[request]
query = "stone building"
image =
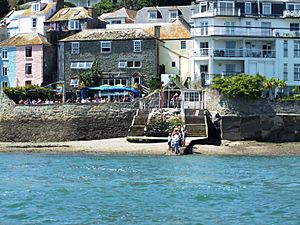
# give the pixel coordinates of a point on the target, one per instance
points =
(126, 56)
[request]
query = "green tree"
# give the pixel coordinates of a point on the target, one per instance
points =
(242, 85)
(69, 5)
(91, 77)
(4, 9)
(104, 6)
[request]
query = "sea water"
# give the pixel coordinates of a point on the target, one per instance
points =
(94, 189)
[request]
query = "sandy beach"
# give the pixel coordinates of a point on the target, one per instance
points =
(121, 146)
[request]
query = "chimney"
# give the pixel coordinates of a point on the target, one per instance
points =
(91, 12)
(59, 4)
(157, 31)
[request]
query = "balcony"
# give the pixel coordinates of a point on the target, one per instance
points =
(235, 53)
(233, 31)
(291, 13)
(219, 11)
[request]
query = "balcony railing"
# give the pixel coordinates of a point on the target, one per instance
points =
(227, 52)
(244, 31)
(218, 11)
(291, 13)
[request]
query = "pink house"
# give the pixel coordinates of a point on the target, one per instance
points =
(30, 58)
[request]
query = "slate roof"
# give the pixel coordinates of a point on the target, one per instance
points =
(75, 13)
(25, 39)
(120, 13)
(164, 12)
(104, 34)
(45, 10)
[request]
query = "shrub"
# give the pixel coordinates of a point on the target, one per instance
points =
(28, 92)
(242, 85)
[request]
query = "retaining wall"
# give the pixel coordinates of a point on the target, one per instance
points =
(64, 122)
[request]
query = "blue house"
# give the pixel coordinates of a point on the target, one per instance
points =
(8, 67)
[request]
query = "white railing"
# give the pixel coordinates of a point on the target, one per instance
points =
(291, 13)
(228, 52)
(218, 11)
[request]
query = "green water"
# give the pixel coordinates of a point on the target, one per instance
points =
(85, 189)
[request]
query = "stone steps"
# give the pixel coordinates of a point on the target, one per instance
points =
(137, 130)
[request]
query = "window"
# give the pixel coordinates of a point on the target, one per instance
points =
(248, 27)
(285, 48)
(28, 52)
(230, 69)
(116, 22)
(202, 7)
(191, 96)
(134, 64)
(137, 46)
(229, 27)
(4, 84)
(74, 82)
(173, 14)
(122, 64)
(294, 26)
(173, 64)
(75, 48)
(266, 8)
(4, 53)
(34, 20)
(105, 46)
(296, 72)
(266, 29)
(4, 70)
(74, 25)
(28, 82)
(204, 28)
(81, 65)
(248, 9)
(35, 7)
(28, 68)
(296, 48)
(293, 6)
(182, 44)
(226, 8)
(152, 15)
(285, 71)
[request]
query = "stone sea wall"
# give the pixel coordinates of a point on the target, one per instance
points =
(64, 122)
(262, 120)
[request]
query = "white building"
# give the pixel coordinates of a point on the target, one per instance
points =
(246, 36)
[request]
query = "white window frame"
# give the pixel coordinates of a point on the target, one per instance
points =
(204, 28)
(266, 8)
(295, 6)
(122, 64)
(74, 25)
(137, 46)
(285, 72)
(27, 65)
(34, 22)
(296, 72)
(295, 27)
(75, 47)
(134, 62)
(296, 49)
(105, 45)
(266, 28)
(172, 13)
(84, 65)
(152, 15)
(248, 8)
(36, 7)
(226, 11)
(4, 53)
(4, 70)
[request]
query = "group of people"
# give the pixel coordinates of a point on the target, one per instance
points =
(177, 139)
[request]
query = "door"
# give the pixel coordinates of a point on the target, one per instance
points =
(230, 48)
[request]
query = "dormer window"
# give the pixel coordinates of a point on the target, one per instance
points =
(173, 14)
(36, 7)
(266, 8)
(34, 22)
(202, 7)
(293, 6)
(152, 15)
(74, 25)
